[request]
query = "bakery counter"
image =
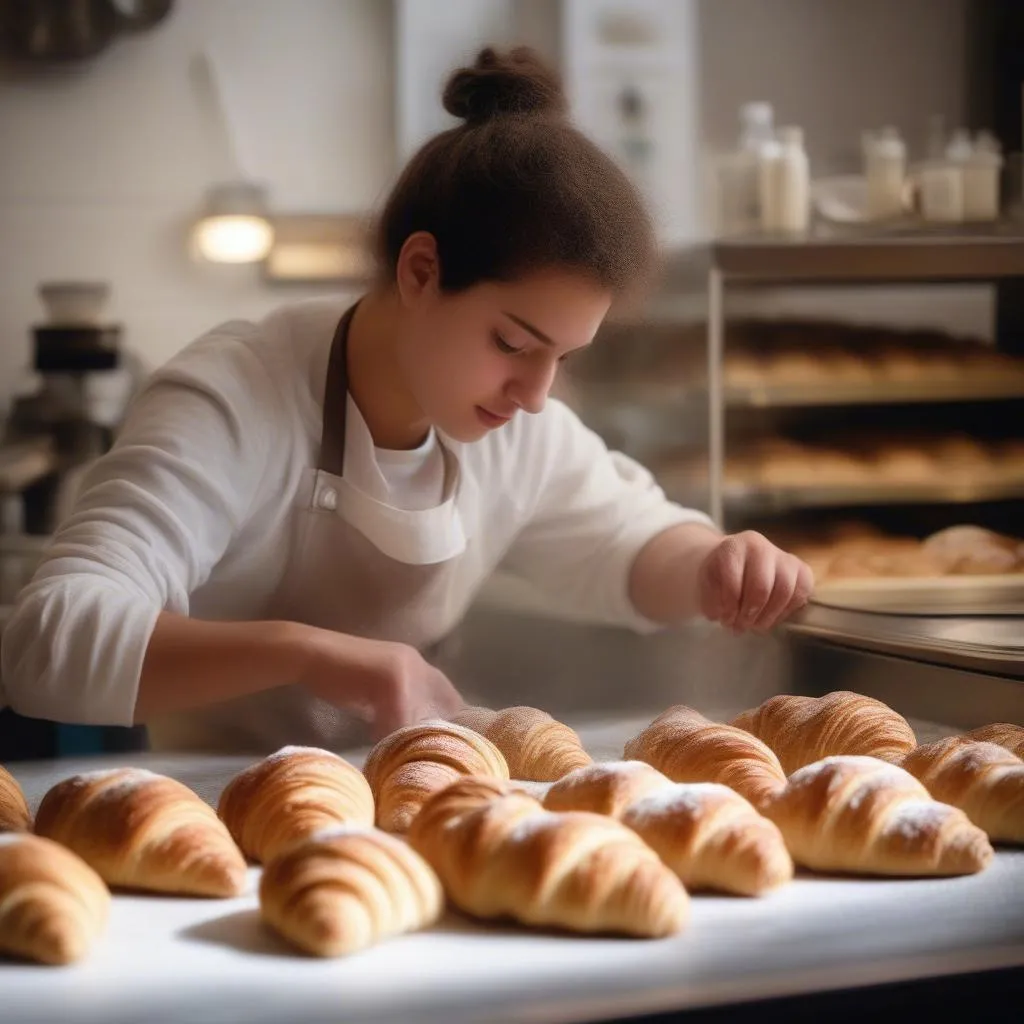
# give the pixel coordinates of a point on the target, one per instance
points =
(819, 938)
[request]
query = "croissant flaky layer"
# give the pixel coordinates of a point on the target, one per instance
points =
(14, 812)
(1006, 735)
(866, 816)
(500, 854)
(683, 745)
(290, 795)
(410, 764)
(709, 835)
(140, 830)
(53, 906)
(984, 780)
(536, 747)
(802, 730)
(346, 888)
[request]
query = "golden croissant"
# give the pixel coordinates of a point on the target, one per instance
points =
(346, 888)
(984, 780)
(1009, 736)
(802, 730)
(14, 813)
(53, 906)
(709, 835)
(140, 830)
(862, 815)
(404, 768)
(682, 744)
(290, 795)
(500, 854)
(536, 747)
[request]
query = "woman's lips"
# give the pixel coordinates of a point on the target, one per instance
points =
(490, 419)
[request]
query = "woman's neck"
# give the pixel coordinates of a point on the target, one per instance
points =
(375, 378)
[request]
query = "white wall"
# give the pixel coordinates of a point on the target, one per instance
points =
(102, 168)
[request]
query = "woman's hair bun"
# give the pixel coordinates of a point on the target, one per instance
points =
(517, 82)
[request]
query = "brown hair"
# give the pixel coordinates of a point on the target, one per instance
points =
(516, 188)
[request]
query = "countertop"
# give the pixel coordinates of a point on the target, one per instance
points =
(198, 960)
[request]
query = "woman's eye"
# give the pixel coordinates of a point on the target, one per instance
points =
(503, 345)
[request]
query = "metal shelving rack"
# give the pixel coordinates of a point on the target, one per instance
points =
(949, 256)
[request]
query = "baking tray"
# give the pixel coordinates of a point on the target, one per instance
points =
(926, 595)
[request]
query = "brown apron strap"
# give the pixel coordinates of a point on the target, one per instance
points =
(332, 440)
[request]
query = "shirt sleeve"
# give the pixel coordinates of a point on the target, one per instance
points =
(152, 518)
(592, 511)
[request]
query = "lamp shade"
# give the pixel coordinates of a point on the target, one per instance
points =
(234, 227)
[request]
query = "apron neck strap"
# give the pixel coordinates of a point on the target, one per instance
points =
(332, 440)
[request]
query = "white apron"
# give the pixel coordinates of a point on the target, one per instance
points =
(356, 566)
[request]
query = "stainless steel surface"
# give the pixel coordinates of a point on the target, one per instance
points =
(948, 254)
(943, 595)
(210, 960)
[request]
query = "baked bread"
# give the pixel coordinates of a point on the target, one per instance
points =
(705, 832)
(1006, 735)
(404, 768)
(683, 745)
(802, 730)
(345, 888)
(140, 830)
(861, 815)
(14, 813)
(535, 746)
(290, 795)
(500, 854)
(53, 906)
(984, 780)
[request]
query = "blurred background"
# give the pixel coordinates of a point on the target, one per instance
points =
(833, 353)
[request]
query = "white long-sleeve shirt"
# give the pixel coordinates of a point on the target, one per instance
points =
(190, 512)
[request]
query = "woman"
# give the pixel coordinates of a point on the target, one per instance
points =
(295, 508)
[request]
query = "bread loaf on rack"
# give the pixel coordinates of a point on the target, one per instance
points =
(984, 780)
(53, 906)
(683, 745)
(861, 815)
(535, 746)
(140, 830)
(345, 888)
(802, 730)
(404, 768)
(500, 854)
(1006, 735)
(290, 795)
(14, 812)
(710, 836)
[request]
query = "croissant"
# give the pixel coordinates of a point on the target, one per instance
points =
(404, 768)
(802, 730)
(53, 906)
(500, 854)
(346, 888)
(140, 830)
(984, 780)
(865, 816)
(14, 813)
(289, 796)
(709, 835)
(535, 746)
(682, 744)
(1006, 735)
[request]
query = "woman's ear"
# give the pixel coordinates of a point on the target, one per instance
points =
(418, 271)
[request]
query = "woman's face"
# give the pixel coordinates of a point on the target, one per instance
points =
(474, 360)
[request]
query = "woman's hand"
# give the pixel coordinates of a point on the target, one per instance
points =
(746, 582)
(391, 684)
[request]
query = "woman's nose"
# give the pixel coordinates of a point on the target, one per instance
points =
(529, 388)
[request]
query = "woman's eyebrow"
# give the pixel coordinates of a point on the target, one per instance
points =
(537, 333)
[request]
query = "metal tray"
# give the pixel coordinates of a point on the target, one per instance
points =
(927, 595)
